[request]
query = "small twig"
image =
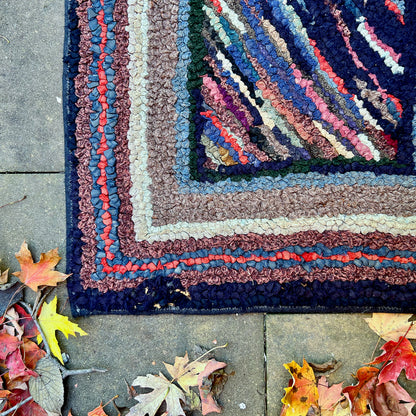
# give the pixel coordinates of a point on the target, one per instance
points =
(66, 372)
(375, 348)
(22, 199)
(45, 342)
(15, 407)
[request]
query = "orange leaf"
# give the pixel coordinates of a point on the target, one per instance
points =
(361, 395)
(98, 411)
(38, 274)
(303, 393)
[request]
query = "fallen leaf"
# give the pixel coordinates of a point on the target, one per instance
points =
(162, 390)
(184, 372)
(38, 274)
(31, 353)
(303, 393)
(4, 277)
(14, 319)
(342, 408)
(326, 368)
(361, 395)
(48, 389)
(17, 368)
(98, 411)
(50, 321)
(9, 297)
(27, 322)
(328, 397)
(208, 401)
(400, 356)
(390, 399)
(8, 344)
(30, 408)
(391, 326)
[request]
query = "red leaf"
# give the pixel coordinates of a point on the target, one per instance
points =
(361, 395)
(8, 344)
(400, 356)
(30, 408)
(31, 353)
(27, 322)
(390, 399)
(17, 368)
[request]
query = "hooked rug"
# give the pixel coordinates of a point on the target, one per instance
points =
(240, 155)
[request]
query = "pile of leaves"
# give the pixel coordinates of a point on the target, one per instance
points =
(33, 368)
(377, 391)
(176, 396)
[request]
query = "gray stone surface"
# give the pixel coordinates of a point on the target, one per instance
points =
(317, 338)
(129, 346)
(31, 130)
(39, 219)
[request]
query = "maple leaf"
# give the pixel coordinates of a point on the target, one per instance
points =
(328, 397)
(400, 356)
(38, 274)
(303, 393)
(391, 326)
(17, 367)
(205, 385)
(361, 395)
(8, 344)
(162, 390)
(50, 321)
(184, 372)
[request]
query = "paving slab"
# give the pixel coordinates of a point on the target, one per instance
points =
(39, 218)
(317, 338)
(31, 48)
(129, 346)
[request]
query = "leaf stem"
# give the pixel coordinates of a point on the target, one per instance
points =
(15, 407)
(66, 373)
(21, 199)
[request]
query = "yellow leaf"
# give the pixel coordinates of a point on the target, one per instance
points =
(38, 274)
(303, 393)
(391, 326)
(51, 321)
